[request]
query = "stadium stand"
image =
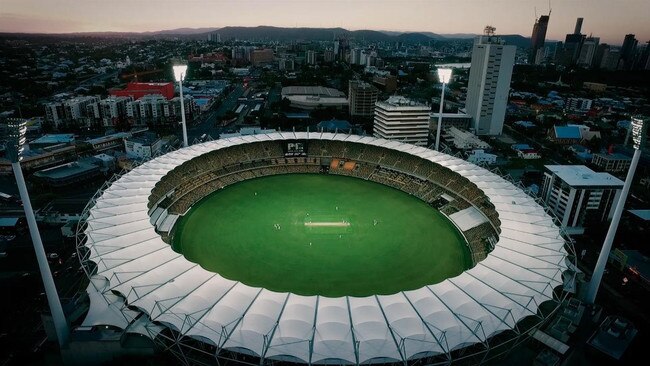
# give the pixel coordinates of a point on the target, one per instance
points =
(195, 179)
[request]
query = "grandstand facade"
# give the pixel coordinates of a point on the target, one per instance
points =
(139, 284)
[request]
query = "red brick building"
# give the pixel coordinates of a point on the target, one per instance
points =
(139, 90)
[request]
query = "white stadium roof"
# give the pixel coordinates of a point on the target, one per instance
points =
(133, 260)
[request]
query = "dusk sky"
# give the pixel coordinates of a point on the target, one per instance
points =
(608, 19)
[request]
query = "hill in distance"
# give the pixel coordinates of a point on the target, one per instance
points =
(262, 33)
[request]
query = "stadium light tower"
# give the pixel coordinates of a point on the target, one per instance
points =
(638, 136)
(15, 146)
(179, 75)
(444, 75)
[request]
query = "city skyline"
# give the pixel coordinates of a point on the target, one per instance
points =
(610, 21)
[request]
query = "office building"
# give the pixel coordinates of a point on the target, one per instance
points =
(588, 52)
(362, 97)
(399, 118)
(489, 83)
(628, 52)
(538, 38)
(610, 60)
(572, 45)
(574, 192)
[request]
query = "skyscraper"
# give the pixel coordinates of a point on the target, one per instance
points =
(578, 28)
(628, 51)
(539, 37)
(489, 83)
(588, 52)
(572, 45)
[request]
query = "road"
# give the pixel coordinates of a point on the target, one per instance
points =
(206, 124)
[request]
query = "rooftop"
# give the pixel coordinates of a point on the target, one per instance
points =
(60, 138)
(320, 91)
(580, 175)
(399, 101)
(65, 170)
(642, 214)
(567, 132)
(614, 156)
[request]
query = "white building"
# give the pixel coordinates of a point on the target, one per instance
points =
(157, 109)
(399, 118)
(489, 84)
(614, 163)
(143, 147)
(362, 97)
(578, 104)
(459, 120)
(112, 108)
(74, 110)
(481, 157)
(573, 191)
(310, 57)
(464, 140)
(312, 97)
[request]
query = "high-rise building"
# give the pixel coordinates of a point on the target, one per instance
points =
(600, 53)
(538, 38)
(578, 28)
(573, 191)
(610, 59)
(628, 51)
(489, 83)
(644, 61)
(328, 56)
(112, 109)
(401, 119)
(362, 97)
(310, 57)
(355, 56)
(588, 52)
(286, 64)
(74, 110)
(572, 45)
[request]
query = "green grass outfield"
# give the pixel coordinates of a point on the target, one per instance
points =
(314, 234)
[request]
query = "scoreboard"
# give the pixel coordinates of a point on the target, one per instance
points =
(295, 148)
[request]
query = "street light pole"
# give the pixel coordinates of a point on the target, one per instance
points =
(179, 75)
(444, 75)
(638, 135)
(14, 149)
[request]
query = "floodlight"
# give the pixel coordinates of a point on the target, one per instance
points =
(444, 75)
(638, 132)
(179, 72)
(16, 143)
